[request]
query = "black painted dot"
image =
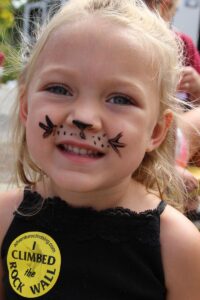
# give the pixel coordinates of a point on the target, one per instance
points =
(99, 138)
(102, 146)
(61, 126)
(95, 143)
(71, 134)
(58, 132)
(64, 132)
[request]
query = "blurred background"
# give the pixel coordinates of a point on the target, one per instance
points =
(187, 19)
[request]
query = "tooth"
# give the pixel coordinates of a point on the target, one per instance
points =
(83, 151)
(80, 151)
(76, 150)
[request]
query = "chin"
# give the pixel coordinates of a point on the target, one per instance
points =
(84, 184)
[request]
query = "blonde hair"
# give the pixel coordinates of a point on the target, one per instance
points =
(157, 170)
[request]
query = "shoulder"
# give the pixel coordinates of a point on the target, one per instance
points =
(9, 202)
(180, 247)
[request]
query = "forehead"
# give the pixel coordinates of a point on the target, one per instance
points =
(99, 49)
(94, 37)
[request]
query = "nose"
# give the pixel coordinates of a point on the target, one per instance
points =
(86, 114)
(81, 125)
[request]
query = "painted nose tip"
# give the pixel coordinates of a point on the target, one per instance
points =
(81, 125)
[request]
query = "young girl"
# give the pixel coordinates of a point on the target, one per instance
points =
(96, 147)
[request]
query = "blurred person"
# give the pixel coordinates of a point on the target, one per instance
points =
(189, 127)
(189, 86)
(188, 165)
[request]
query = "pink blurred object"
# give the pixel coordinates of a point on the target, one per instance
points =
(181, 149)
(2, 58)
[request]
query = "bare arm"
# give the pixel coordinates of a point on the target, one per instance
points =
(180, 245)
(9, 201)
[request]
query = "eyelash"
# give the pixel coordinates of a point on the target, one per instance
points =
(65, 91)
(59, 90)
(125, 100)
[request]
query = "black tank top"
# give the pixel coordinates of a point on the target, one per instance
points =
(62, 252)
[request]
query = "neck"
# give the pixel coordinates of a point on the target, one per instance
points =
(118, 195)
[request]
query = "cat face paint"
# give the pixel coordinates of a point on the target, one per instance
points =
(82, 126)
(49, 128)
(115, 144)
(98, 140)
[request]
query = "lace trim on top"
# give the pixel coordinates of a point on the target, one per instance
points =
(82, 223)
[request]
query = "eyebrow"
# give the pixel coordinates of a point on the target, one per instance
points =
(112, 81)
(127, 83)
(58, 70)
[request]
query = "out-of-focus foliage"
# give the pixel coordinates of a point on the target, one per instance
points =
(11, 23)
(6, 15)
(8, 37)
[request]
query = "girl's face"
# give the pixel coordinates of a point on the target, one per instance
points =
(95, 73)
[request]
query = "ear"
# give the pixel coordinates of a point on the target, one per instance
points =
(23, 109)
(160, 131)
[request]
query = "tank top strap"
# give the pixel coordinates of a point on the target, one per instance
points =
(27, 195)
(31, 203)
(161, 207)
(27, 189)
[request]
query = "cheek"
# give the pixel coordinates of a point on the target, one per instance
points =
(37, 145)
(33, 132)
(137, 140)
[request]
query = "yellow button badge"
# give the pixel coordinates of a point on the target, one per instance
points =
(34, 263)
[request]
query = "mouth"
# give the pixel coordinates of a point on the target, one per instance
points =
(80, 151)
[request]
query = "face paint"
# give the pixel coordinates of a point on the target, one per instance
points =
(98, 140)
(48, 128)
(115, 144)
(82, 126)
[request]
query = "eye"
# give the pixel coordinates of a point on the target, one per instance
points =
(59, 90)
(120, 100)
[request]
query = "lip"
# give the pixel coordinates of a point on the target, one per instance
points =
(77, 158)
(80, 145)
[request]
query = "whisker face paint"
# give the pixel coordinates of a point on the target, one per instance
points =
(99, 140)
(115, 144)
(82, 126)
(49, 128)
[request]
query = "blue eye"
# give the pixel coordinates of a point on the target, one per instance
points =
(120, 100)
(59, 90)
